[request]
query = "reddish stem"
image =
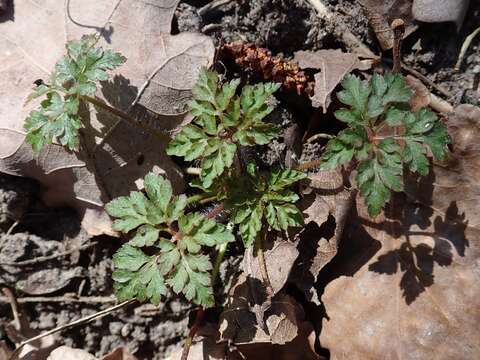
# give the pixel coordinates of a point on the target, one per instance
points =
(193, 330)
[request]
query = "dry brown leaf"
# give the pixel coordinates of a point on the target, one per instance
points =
(421, 94)
(440, 10)
(333, 66)
(246, 321)
(301, 348)
(120, 353)
(278, 271)
(326, 205)
(68, 353)
(407, 285)
(381, 13)
(154, 85)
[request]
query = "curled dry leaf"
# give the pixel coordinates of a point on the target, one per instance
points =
(381, 13)
(153, 85)
(326, 205)
(407, 284)
(245, 321)
(333, 66)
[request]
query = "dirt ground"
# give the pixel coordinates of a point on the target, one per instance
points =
(32, 231)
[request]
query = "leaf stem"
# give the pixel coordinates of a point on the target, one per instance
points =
(262, 264)
(218, 261)
(201, 198)
(124, 116)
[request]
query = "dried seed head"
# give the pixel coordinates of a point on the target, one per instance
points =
(271, 68)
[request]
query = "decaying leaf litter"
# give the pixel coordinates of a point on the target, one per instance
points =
(430, 244)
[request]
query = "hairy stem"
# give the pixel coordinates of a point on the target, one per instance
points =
(124, 116)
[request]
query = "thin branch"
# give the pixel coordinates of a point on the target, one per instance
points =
(72, 324)
(10, 298)
(211, 6)
(465, 46)
(63, 299)
(47, 258)
(124, 116)
(192, 332)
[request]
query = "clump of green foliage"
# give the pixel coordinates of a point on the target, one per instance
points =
(223, 121)
(170, 245)
(159, 221)
(75, 76)
(384, 136)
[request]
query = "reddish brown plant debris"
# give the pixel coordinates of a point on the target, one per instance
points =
(272, 68)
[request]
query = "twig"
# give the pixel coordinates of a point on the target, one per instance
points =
(192, 332)
(440, 105)
(213, 5)
(11, 228)
(47, 258)
(75, 323)
(398, 27)
(465, 45)
(10, 298)
(63, 299)
(347, 36)
(426, 80)
(127, 118)
(319, 136)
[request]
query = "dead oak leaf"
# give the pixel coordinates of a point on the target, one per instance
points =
(326, 205)
(333, 66)
(154, 86)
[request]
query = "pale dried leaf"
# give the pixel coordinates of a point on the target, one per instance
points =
(120, 353)
(435, 11)
(48, 280)
(333, 66)
(154, 86)
(408, 285)
(68, 353)
(278, 271)
(381, 13)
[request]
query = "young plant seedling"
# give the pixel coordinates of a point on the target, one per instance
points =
(73, 80)
(384, 136)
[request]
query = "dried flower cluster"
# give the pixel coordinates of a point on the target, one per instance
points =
(272, 68)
